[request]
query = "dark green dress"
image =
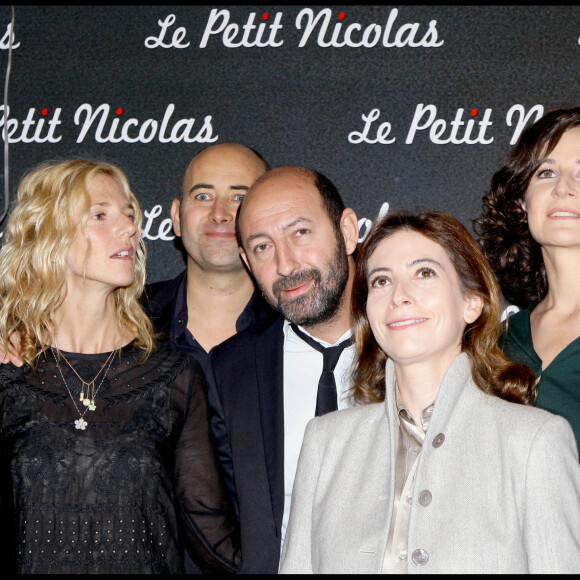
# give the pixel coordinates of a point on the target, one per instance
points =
(559, 386)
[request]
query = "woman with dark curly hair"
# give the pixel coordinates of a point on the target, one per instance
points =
(530, 232)
(443, 468)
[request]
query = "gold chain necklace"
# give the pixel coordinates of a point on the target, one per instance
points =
(89, 403)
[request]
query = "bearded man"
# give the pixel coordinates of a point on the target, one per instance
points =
(265, 383)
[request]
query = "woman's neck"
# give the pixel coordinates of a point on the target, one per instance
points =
(89, 326)
(419, 383)
(563, 274)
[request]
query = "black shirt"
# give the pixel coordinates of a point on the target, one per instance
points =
(126, 493)
(166, 304)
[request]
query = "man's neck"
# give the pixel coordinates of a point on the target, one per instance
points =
(214, 303)
(206, 290)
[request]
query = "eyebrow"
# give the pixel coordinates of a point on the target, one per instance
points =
(550, 160)
(285, 227)
(108, 204)
(407, 265)
(210, 186)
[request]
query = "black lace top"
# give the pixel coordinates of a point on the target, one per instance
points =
(128, 492)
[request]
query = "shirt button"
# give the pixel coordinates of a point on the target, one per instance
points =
(425, 497)
(409, 500)
(416, 449)
(402, 556)
(420, 557)
(438, 441)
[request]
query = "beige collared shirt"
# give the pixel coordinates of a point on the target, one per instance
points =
(411, 437)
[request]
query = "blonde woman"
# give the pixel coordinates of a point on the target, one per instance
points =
(106, 461)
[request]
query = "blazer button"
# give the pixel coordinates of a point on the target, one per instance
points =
(420, 557)
(438, 440)
(425, 497)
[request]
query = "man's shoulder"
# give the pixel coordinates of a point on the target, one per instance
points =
(268, 331)
(271, 326)
(157, 291)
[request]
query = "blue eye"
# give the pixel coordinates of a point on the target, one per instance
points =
(203, 197)
(240, 197)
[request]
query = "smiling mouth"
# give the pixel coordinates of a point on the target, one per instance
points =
(564, 214)
(298, 289)
(408, 322)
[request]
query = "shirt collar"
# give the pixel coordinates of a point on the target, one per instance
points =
(406, 419)
(256, 309)
(299, 345)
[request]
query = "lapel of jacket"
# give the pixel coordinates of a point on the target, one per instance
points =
(453, 392)
(270, 373)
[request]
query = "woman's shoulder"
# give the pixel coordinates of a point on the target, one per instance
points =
(516, 338)
(518, 321)
(11, 376)
(527, 421)
(356, 417)
(166, 363)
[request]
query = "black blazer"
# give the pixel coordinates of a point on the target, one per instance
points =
(245, 381)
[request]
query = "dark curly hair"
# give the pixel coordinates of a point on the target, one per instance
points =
(514, 255)
(492, 372)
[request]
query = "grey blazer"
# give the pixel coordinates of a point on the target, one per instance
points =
(503, 482)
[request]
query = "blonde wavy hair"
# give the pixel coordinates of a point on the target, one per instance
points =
(33, 259)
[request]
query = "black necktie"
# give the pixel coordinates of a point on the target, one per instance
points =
(326, 398)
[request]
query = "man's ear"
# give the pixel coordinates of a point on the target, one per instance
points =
(175, 207)
(349, 229)
(245, 258)
(473, 308)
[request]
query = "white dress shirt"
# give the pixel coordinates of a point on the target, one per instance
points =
(302, 370)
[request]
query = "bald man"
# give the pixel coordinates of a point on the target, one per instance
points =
(214, 297)
(297, 238)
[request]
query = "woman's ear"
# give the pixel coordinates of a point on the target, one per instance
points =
(473, 308)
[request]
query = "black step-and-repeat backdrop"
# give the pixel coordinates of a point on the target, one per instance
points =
(401, 106)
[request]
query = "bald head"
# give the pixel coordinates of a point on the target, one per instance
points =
(297, 239)
(225, 158)
(299, 179)
(215, 182)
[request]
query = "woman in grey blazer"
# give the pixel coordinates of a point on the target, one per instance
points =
(444, 467)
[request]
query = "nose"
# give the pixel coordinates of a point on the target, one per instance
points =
(127, 227)
(220, 212)
(566, 186)
(402, 296)
(286, 261)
